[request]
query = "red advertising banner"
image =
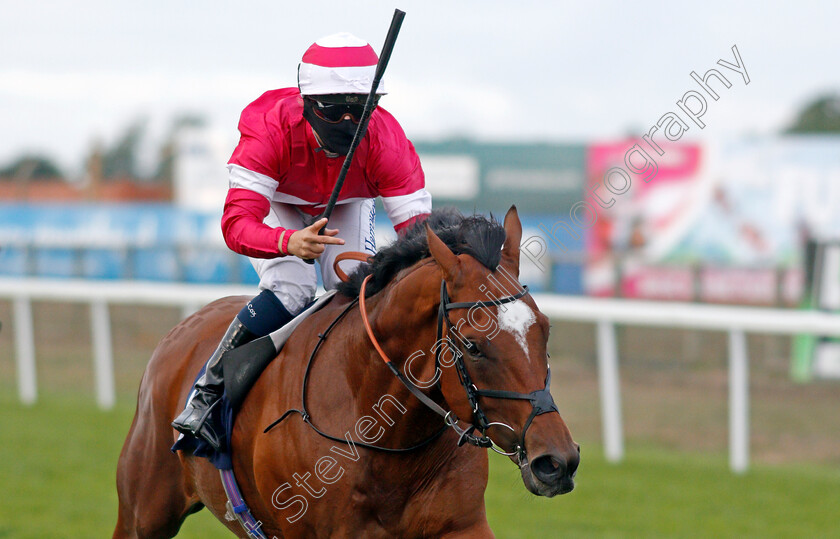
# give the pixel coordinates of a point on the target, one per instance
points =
(724, 223)
(638, 228)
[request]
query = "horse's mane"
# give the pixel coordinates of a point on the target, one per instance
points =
(474, 235)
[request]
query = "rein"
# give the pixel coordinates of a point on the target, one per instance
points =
(464, 435)
(304, 414)
(541, 400)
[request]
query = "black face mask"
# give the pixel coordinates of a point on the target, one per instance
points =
(334, 136)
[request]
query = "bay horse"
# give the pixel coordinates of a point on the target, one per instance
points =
(437, 310)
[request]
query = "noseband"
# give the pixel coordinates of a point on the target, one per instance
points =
(541, 399)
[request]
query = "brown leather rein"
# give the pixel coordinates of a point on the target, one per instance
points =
(541, 400)
(348, 255)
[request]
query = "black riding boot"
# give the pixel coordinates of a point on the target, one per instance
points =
(209, 387)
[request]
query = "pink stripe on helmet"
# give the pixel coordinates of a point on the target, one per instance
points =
(340, 56)
(338, 64)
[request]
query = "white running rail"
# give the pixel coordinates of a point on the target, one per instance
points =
(98, 295)
(604, 313)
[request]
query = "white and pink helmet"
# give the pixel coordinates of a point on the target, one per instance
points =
(338, 64)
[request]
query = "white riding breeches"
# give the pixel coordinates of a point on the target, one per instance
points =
(293, 280)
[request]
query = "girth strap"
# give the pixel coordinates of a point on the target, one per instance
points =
(237, 509)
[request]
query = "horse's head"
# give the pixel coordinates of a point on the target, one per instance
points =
(497, 369)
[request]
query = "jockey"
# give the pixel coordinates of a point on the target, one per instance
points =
(281, 175)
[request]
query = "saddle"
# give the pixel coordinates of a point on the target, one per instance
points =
(243, 365)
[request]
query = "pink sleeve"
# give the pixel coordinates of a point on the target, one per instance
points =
(258, 150)
(243, 229)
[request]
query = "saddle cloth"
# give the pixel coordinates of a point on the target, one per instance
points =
(242, 367)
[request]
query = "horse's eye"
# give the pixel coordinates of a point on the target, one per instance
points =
(473, 350)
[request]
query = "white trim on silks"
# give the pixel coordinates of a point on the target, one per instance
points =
(283, 198)
(319, 80)
(242, 178)
(403, 207)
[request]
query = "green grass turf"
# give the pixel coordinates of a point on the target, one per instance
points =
(57, 462)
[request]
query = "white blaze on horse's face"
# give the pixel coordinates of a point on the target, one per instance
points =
(516, 318)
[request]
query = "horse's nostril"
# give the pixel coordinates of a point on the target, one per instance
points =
(573, 464)
(547, 469)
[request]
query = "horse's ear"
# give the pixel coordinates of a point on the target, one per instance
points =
(444, 257)
(513, 236)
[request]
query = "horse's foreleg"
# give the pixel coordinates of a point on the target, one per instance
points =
(154, 523)
(479, 531)
(150, 488)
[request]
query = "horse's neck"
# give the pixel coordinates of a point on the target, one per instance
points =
(404, 331)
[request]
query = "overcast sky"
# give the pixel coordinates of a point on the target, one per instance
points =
(72, 72)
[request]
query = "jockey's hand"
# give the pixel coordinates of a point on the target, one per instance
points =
(307, 244)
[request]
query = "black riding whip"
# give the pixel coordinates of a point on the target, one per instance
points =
(361, 129)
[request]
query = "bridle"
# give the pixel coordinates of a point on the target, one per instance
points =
(541, 399)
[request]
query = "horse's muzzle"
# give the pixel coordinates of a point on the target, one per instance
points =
(551, 474)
